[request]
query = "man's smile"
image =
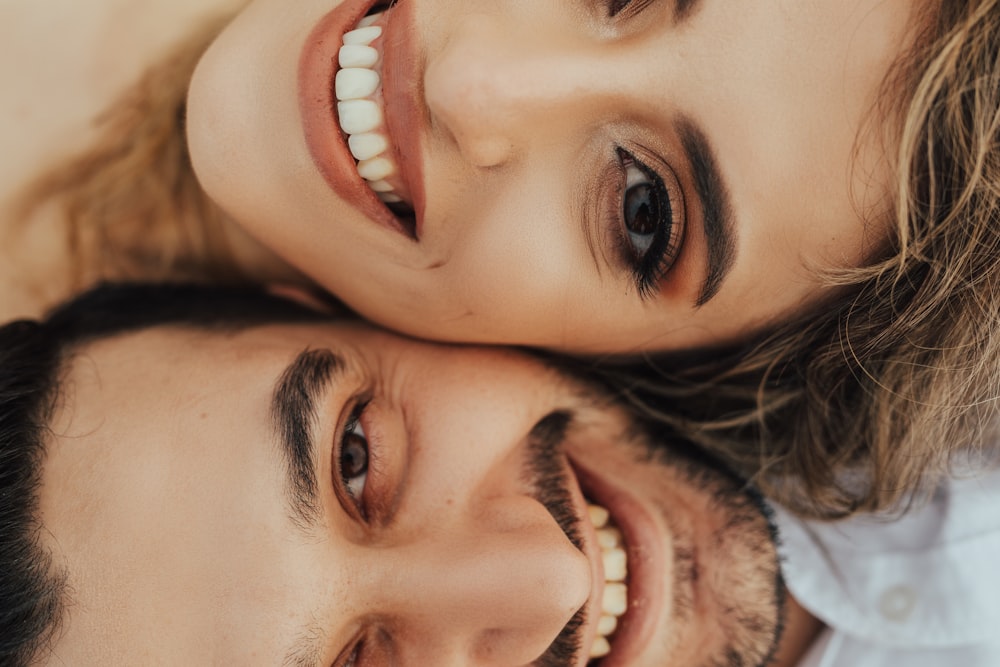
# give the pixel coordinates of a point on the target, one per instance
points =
(628, 554)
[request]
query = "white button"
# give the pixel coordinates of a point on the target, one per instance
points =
(897, 603)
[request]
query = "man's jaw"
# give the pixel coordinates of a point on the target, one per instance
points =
(676, 511)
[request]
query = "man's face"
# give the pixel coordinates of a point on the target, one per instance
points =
(335, 495)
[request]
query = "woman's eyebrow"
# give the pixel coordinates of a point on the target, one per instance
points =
(720, 226)
(293, 415)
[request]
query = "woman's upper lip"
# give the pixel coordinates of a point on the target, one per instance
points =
(318, 66)
(402, 91)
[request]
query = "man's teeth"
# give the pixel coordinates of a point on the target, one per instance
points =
(615, 601)
(359, 112)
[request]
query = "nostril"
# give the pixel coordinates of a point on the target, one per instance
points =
(470, 115)
(509, 646)
(488, 152)
(470, 118)
(470, 89)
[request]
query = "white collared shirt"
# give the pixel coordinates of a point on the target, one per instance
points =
(920, 590)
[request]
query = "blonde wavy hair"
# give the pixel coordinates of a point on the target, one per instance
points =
(852, 407)
(130, 203)
(866, 402)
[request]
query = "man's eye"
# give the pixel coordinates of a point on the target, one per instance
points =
(616, 7)
(352, 660)
(352, 458)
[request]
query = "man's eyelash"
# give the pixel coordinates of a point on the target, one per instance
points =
(630, 7)
(363, 503)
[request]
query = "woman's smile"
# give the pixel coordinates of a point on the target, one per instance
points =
(587, 176)
(357, 89)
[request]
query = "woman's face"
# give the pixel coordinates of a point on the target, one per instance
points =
(592, 175)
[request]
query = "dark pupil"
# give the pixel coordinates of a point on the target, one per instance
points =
(353, 456)
(641, 210)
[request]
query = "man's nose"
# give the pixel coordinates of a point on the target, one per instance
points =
(494, 588)
(497, 88)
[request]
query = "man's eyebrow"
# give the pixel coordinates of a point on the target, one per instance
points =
(720, 228)
(293, 414)
(308, 648)
(685, 9)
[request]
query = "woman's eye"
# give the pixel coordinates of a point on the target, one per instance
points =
(352, 459)
(641, 205)
(648, 229)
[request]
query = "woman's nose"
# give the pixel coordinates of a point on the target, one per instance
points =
(497, 88)
(496, 588)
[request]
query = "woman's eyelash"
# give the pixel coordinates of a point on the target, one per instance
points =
(650, 223)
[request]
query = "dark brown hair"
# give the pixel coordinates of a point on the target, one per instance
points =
(35, 594)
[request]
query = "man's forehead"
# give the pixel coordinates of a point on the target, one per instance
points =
(173, 343)
(146, 458)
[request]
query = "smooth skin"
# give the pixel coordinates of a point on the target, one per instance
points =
(519, 111)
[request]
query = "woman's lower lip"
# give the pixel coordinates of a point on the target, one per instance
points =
(647, 562)
(317, 104)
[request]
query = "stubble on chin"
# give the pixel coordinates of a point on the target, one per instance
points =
(743, 575)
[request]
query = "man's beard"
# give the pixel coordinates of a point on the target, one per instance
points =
(754, 596)
(753, 593)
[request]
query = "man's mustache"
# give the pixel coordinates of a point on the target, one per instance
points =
(545, 470)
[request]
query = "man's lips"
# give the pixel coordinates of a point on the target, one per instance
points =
(646, 565)
(318, 67)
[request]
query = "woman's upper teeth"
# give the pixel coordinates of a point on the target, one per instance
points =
(356, 83)
(615, 598)
(360, 113)
(367, 145)
(359, 116)
(364, 35)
